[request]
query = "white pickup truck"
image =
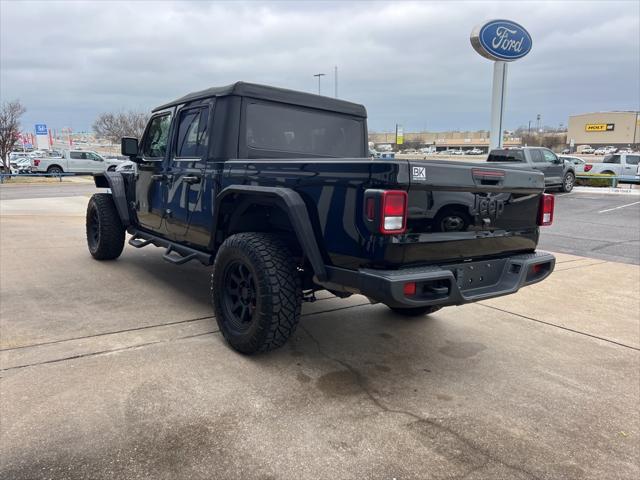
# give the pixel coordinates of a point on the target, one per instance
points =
(622, 165)
(75, 161)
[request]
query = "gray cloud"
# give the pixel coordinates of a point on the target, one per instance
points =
(407, 62)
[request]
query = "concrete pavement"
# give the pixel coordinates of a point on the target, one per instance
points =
(116, 370)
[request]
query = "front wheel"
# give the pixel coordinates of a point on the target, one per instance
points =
(415, 311)
(105, 232)
(568, 182)
(256, 292)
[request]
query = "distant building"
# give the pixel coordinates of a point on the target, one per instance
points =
(454, 140)
(599, 129)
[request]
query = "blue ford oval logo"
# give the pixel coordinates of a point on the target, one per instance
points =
(501, 40)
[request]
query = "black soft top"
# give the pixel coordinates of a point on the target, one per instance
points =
(275, 94)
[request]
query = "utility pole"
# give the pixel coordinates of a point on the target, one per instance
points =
(319, 75)
(335, 78)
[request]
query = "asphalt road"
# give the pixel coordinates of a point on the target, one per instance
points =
(46, 190)
(117, 370)
(595, 225)
(590, 225)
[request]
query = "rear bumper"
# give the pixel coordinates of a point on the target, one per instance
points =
(447, 284)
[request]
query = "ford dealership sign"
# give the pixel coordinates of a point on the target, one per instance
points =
(501, 40)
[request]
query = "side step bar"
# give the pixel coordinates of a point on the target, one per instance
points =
(182, 255)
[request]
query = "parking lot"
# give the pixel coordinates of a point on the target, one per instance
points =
(117, 369)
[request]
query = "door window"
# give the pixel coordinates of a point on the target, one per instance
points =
(612, 159)
(193, 137)
(549, 156)
(633, 159)
(154, 144)
(94, 157)
(77, 155)
(536, 156)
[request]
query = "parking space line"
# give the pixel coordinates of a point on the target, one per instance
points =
(616, 208)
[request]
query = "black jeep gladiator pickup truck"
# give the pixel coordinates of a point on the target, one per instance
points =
(274, 189)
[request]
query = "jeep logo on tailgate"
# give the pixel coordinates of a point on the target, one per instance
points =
(488, 209)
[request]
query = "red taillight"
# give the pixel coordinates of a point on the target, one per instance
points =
(409, 288)
(545, 212)
(537, 268)
(36, 162)
(394, 212)
(588, 167)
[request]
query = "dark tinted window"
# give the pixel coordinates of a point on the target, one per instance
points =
(612, 159)
(506, 156)
(288, 129)
(154, 143)
(633, 159)
(193, 138)
(77, 155)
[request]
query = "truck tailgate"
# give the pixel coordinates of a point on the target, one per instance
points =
(463, 210)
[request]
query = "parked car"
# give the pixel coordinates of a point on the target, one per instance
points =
(285, 203)
(622, 165)
(75, 161)
(474, 151)
(126, 166)
(586, 149)
(557, 173)
(20, 165)
(577, 162)
(565, 151)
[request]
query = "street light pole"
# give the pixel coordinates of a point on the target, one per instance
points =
(319, 75)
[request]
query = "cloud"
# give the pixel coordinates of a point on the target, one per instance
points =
(406, 62)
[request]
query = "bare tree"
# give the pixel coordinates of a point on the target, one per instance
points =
(10, 114)
(114, 126)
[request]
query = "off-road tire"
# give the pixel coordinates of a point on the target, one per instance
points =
(415, 311)
(105, 232)
(273, 312)
(54, 169)
(568, 182)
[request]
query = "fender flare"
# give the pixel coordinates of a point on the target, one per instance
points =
(115, 182)
(291, 202)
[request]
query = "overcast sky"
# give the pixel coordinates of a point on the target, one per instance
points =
(408, 63)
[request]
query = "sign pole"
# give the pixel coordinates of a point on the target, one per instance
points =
(497, 103)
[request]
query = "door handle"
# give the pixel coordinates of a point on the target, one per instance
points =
(190, 179)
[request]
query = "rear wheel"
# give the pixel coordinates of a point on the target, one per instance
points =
(415, 311)
(568, 182)
(55, 170)
(105, 232)
(256, 292)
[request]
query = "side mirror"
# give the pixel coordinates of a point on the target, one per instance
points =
(129, 147)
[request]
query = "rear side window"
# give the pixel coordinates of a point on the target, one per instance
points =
(193, 137)
(506, 156)
(612, 159)
(633, 159)
(280, 128)
(77, 155)
(154, 144)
